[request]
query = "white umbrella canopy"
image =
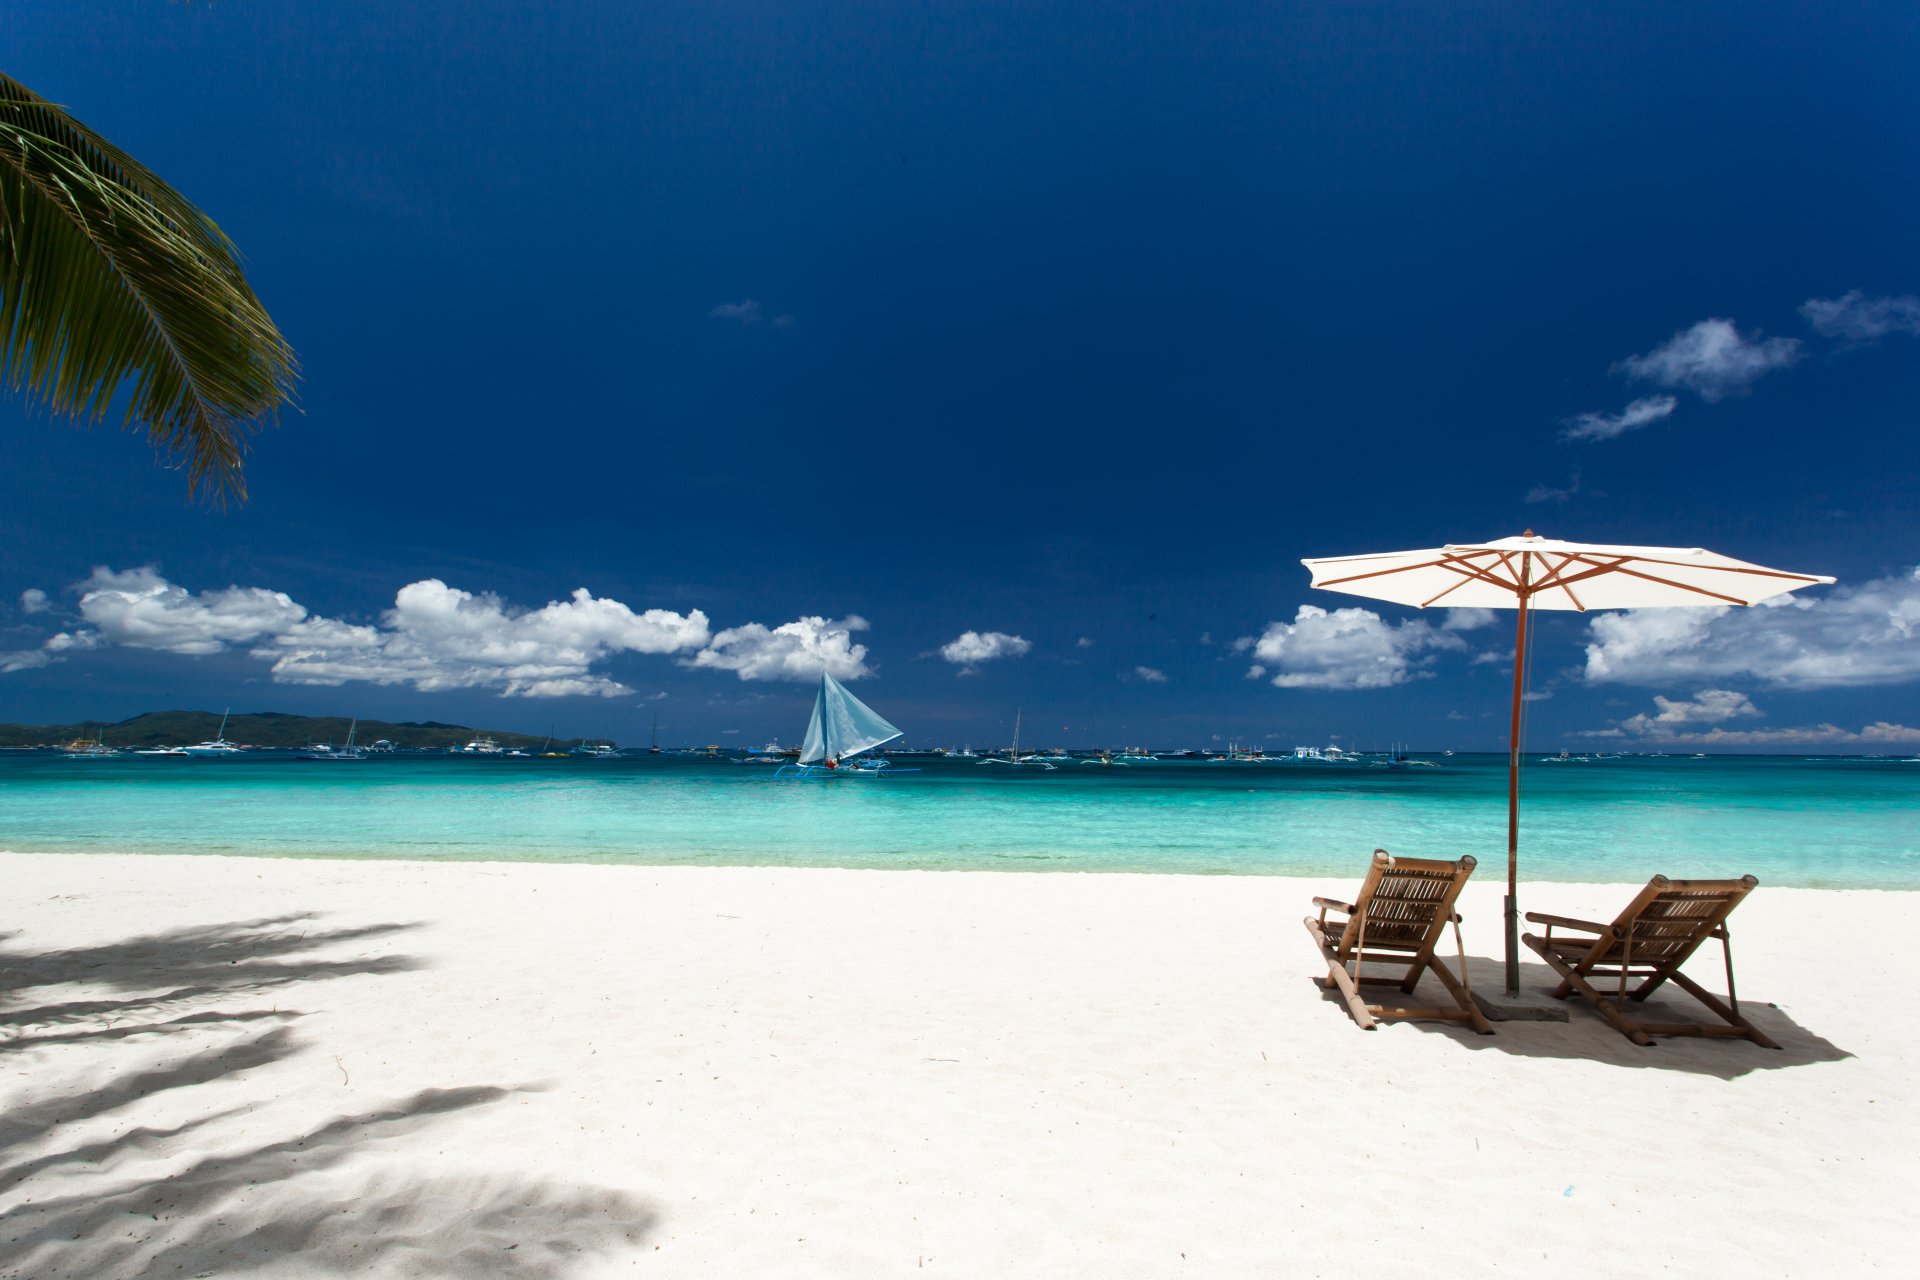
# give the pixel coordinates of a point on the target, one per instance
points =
(1528, 573)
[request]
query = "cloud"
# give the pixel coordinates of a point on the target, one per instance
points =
(1850, 637)
(1083, 643)
(1605, 426)
(748, 312)
(797, 650)
(438, 637)
(1702, 722)
(1152, 675)
(1858, 318)
(435, 637)
(142, 610)
(33, 600)
(1546, 493)
(1468, 619)
(1343, 649)
(23, 660)
(1711, 359)
(971, 648)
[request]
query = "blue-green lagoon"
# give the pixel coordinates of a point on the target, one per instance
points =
(1808, 821)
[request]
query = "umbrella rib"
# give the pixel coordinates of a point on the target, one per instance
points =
(1754, 570)
(1668, 582)
(1381, 573)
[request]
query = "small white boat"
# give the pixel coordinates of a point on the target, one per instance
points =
(216, 745)
(346, 753)
(1013, 758)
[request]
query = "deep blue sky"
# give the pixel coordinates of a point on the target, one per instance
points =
(1097, 318)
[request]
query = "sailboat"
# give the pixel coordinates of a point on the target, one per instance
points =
(1013, 756)
(216, 745)
(653, 743)
(348, 752)
(842, 730)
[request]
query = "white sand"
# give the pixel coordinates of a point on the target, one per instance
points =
(224, 1067)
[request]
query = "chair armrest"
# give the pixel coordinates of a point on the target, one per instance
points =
(1567, 922)
(1334, 904)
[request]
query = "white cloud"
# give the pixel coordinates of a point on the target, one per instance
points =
(1711, 359)
(1853, 636)
(33, 600)
(746, 311)
(1858, 318)
(436, 637)
(1702, 722)
(797, 650)
(1083, 643)
(1547, 493)
(23, 660)
(1343, 649)
(1468, 619)
(1643, 412)
(1152, 675)
(971, 648)
(142, 610)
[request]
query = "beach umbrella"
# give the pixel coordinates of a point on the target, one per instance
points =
(1528, 573)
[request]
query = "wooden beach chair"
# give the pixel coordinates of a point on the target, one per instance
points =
(1646, 945)
(1396, 919)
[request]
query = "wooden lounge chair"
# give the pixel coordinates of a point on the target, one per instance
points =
(1649, 941)
(1396, 919)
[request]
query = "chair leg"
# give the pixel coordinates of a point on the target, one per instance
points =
(1571, 981)
(1461, 996)
(1338, 976)
(1714, 1003)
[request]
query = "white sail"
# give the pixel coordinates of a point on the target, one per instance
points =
(842, 725)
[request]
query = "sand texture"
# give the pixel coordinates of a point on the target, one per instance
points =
(242, 1067)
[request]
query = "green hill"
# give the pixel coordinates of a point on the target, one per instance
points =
(259, 729)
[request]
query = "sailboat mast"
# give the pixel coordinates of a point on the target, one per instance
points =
(1015, 753)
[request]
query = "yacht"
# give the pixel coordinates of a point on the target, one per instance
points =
(81, 749)
(597, 750)
(480, 746)
(216, 745)
(327, 752)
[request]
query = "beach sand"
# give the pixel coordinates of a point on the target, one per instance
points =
(237, 1067)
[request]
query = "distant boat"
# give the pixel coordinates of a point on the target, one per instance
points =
(653, 743)
(348, 752)
(161, 751)
(216, 745)
(597, 750)
(842, 730)
(1013, 758)
(480, 746)
(81, 749)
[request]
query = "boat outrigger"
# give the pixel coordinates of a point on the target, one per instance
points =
(842, 730)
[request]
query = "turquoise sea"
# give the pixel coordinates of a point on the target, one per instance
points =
(1826, 822)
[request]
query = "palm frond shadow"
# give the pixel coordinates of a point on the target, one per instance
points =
(116, 1172)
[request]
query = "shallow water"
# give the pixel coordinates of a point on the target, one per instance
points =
(1790, 821)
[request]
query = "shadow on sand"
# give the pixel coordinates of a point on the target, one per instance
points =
(113, 1165)
(1586, 1036)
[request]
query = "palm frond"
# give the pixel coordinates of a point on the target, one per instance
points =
(109, 274)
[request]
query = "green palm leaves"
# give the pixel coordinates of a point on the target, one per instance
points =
(108, 274)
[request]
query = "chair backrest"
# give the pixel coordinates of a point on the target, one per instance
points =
(1405, 901)
(1668, 919)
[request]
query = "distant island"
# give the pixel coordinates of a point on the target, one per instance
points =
(260, 729)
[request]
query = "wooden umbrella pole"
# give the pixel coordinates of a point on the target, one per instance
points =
(1513, 793)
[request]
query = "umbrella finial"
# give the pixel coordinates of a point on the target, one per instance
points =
(1528, 534)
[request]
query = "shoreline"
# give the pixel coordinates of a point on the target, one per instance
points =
(1489, 868)
(297, 1066)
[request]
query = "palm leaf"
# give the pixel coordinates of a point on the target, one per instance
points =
(109, 274)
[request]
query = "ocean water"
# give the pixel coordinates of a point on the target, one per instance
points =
(1819, 822)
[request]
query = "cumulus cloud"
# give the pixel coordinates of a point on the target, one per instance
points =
(1152, 675)
(1343, 649)
(1855, 317)
(1853, 636)
(797, 650)
(435, 637)
(1468, 619)
(971, 648)
(1711, 359)
(1703, 720)
(438, 637)
(33, 600)
(1643, 412)
(142, 610)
